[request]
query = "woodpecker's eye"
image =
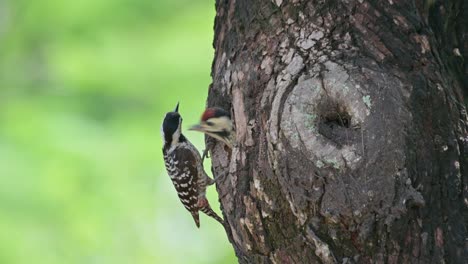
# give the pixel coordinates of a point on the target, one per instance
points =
(209, 123)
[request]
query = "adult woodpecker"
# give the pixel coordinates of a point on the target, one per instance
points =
(185, 168)
(217, 123)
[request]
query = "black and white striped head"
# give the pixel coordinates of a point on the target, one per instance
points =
(171, 129)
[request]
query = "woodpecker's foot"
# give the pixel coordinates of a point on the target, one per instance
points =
(220, 178)
(209, 146)
(205, 154)
(202, 202)
(210, 181)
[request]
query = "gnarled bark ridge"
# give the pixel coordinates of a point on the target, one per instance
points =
(351, 130)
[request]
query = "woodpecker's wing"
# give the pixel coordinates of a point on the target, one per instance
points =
(185, 179)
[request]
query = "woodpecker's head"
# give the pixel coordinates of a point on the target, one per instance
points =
(216, 122)
(172, 127)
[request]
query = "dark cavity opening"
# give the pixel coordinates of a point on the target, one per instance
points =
(337, 119)
(336, 124)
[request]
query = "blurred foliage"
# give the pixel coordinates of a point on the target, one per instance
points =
(84, 86)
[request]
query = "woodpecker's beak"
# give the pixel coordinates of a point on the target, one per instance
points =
(197, 127)
(177, 108)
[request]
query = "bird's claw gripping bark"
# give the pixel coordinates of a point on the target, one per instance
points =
(205, 154)
(209, 146)
(221, 177)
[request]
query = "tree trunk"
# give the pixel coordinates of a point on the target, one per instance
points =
(351, 130)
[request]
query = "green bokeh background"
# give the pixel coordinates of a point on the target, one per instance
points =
(84, 86)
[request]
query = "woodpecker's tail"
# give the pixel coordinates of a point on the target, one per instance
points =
(205, 207)
(209, 212)
(196, 217)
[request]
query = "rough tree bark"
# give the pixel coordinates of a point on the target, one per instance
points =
(351, 129)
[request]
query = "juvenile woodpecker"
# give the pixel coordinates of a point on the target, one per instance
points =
(217, 123)
(184, 166)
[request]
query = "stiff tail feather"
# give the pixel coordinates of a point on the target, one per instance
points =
(196, 217)
(208, 211)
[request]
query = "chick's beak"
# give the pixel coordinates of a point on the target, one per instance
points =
(197, 127)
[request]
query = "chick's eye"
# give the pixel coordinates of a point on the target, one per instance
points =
(209, 123)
